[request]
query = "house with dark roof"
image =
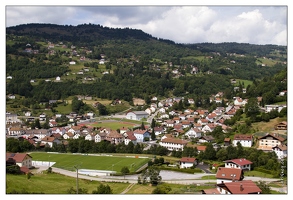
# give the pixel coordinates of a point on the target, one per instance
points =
(229, 174)
(186, 162)
(240, 163)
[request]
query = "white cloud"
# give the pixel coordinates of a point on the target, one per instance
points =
(182, 24)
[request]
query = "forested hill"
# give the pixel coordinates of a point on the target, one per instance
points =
(123, 63)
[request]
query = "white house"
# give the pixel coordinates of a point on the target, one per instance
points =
(186, 162)
(90, 136)
(20, 159)
(240, 163)
(72, 62)
(239, 101)
(245, 140)
(229, 174)
(141, 135)
(136, 115)
(129, 137)
(173, 144)
(58, 78)
(193, 133)
(280, 150)
(269, 108)
(158, 130)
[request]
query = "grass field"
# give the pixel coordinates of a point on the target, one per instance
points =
(55, 184)
(112, 163)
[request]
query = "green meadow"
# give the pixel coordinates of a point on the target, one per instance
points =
(91, 161)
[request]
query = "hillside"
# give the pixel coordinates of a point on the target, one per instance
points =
(47, 61)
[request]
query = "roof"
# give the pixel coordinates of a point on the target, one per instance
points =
(229, 173)
(241, 187)
(240, 161)
(275, 136)
(187, 159)
(139, 112)
(18, 157)
(211, 191)
(242, 137)
(281, 147)
(174, 140)
(201, 148)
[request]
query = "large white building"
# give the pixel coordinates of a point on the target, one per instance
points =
(136, 115)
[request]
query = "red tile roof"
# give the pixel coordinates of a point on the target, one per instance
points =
(242, 137)
(229, 173)
(242, 187)
(18, 157)
(240, 161)
(187, 159)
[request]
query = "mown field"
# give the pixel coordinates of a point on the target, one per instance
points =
(55, 184)
(59, 184)
(103, 162)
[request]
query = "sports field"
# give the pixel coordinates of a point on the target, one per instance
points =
(91, 161)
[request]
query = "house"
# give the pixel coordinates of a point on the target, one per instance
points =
(68, 135)
(206, 139)
(185, 124)
(201, 148)
(136, 115)
(269, 108)
(209, 127)
(158, 130)
(227, 142)
(281, 126)
(268, 141)
(20, 159)
(141, 135)
(280, 150)
(245, 140)
(203, 122)
(114, 137)
(129, 137)
(239, 101)
(11, 118)
(240, 163)
(90, 136)
(186, 162)
(58, 78)
(239, 187)
(173, 144)
(72, 62)
(229, 175)
(15, 131)
(50, 141)
(100, 136)
(193, 133)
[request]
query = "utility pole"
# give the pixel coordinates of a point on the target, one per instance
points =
(76, 167)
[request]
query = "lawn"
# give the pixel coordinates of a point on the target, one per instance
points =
(95, 162)
(55, 184)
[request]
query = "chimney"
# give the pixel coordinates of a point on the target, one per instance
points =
(241, 187)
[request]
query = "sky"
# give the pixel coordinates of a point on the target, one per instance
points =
(254, 24)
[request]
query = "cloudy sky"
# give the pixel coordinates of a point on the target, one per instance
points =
(182, 24)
